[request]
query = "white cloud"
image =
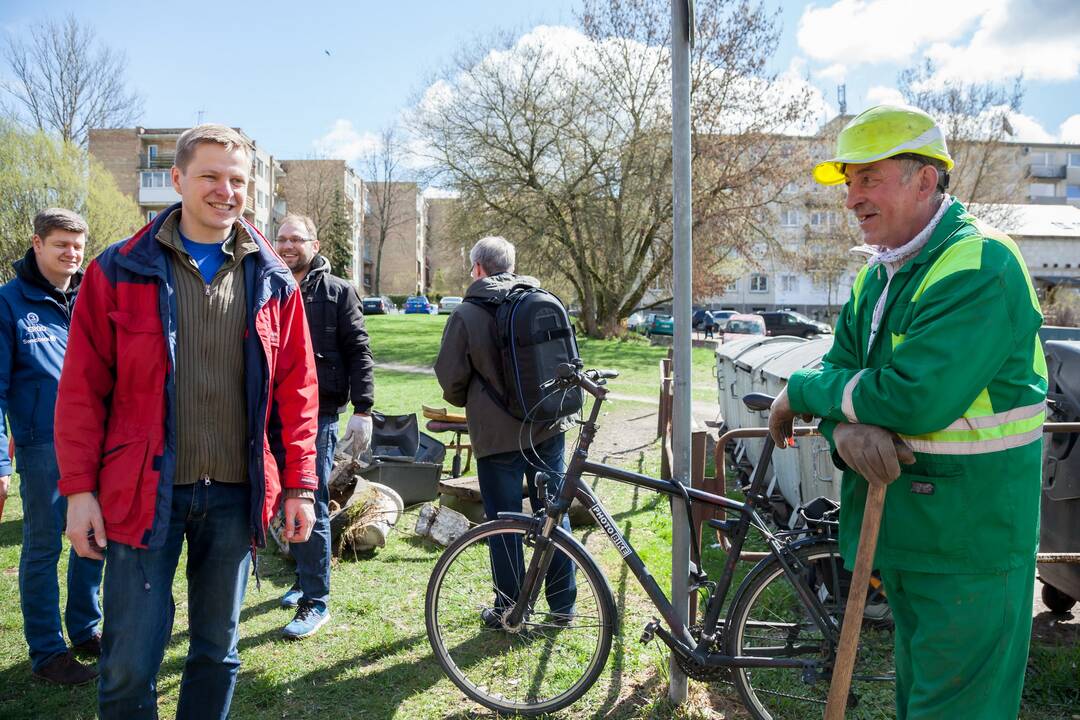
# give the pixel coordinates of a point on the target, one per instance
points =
(1028, 129)
(873, 31)
(345, 143)
(884, 95)
(833, 73)
(968, 40)
(1070, 130)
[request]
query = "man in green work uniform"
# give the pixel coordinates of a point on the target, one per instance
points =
(935, 383)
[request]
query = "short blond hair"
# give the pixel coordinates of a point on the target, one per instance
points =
(302, 220)
(208, 133)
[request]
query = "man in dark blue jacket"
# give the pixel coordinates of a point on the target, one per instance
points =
(35, 310)
(346, 372)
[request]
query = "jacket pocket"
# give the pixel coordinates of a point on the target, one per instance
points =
(140, 355)
(925, 511)
(331, 374)
(122, 468)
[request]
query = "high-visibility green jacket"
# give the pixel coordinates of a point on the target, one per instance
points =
(957, 371)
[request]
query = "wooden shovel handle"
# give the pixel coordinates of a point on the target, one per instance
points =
(853, 614)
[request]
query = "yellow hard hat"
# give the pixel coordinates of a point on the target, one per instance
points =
(882, 132)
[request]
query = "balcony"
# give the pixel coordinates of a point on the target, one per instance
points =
(159, 161)
(1054, 172)
(158, 195)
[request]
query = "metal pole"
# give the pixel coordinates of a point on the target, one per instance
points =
(682, 251)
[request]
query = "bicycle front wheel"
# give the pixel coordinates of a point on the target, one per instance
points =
(768, 619)
(554, 656)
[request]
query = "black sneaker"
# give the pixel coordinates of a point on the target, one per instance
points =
(492, 618)
(66, 670)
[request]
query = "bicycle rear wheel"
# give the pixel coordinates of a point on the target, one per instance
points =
(768, 619)
(543, 665)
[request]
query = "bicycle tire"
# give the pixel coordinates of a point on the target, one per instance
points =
(768, 619)
(545, 665)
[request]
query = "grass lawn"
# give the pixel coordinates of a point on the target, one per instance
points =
(414, 340)
(372, 659)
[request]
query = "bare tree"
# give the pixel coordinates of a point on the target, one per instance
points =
(975, 119)
(387, 199)
(564, 144)
(310, 187)
(67, 83)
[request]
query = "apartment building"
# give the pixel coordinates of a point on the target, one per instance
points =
(1051, 172)
(405, 269)
(318, 188)
(140, 159)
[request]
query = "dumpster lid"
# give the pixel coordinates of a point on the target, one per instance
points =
(758, 356)
(798, 358)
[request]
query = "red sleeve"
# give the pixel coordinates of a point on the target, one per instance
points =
(86, 381)
(296, 391)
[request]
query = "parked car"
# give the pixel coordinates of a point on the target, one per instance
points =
(448, 303)
(635, 322)
(741, 325)
(789, 322)
(377, 305)
(418, 305)
(660, 325)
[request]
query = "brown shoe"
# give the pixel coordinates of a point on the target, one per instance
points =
(66, 670)
(91, 647)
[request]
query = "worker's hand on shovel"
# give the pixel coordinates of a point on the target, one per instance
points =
(782, 420)
(85, 526)
(872, 451)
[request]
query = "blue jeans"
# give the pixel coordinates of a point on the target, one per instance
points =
(313, 557)
(139, 606)
(501, 477)
(44, 519)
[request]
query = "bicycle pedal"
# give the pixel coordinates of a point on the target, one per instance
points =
(649, 632)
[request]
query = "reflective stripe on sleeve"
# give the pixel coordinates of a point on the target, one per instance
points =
(847, 405)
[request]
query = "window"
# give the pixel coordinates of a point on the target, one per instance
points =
(1041, 158)
(733, 286)
(759, 250)
(151, 152)
(155, 179)
(789, 283)
(789, 218)
(1041, 190)
(1074, 159)
(150, 215)
(260, 168)
(817, 219)
(261, 196)
(1072, 192)
(759, 283)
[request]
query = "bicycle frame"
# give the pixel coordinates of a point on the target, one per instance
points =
(680, 639)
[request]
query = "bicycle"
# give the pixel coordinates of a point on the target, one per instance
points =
(518, 655)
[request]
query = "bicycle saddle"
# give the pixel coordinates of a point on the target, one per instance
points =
(758, 401)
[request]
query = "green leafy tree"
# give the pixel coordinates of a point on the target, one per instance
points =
(39, 171)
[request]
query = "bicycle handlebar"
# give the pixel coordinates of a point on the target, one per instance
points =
(571, 374)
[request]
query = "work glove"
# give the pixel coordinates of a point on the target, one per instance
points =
(872, 451)
(357, 438)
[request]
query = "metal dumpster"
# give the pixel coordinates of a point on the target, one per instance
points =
(748, 379)
(807, 471)
(1059, 529)
(726, 354)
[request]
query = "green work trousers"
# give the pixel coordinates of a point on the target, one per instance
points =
(961, 642)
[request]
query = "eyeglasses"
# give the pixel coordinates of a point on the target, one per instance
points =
(282, 239)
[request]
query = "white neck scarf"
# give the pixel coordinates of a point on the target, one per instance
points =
(893, 259)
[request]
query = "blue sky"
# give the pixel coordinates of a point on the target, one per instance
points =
(263, 66)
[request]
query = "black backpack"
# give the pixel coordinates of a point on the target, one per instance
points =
(534, 336)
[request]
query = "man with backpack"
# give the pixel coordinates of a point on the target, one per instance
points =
(510, 444)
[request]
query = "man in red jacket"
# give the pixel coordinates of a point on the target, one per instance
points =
(189, 363)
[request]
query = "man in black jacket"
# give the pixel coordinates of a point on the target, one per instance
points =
(345, 369)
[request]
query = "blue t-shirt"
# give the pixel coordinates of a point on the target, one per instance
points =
(208, 256)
